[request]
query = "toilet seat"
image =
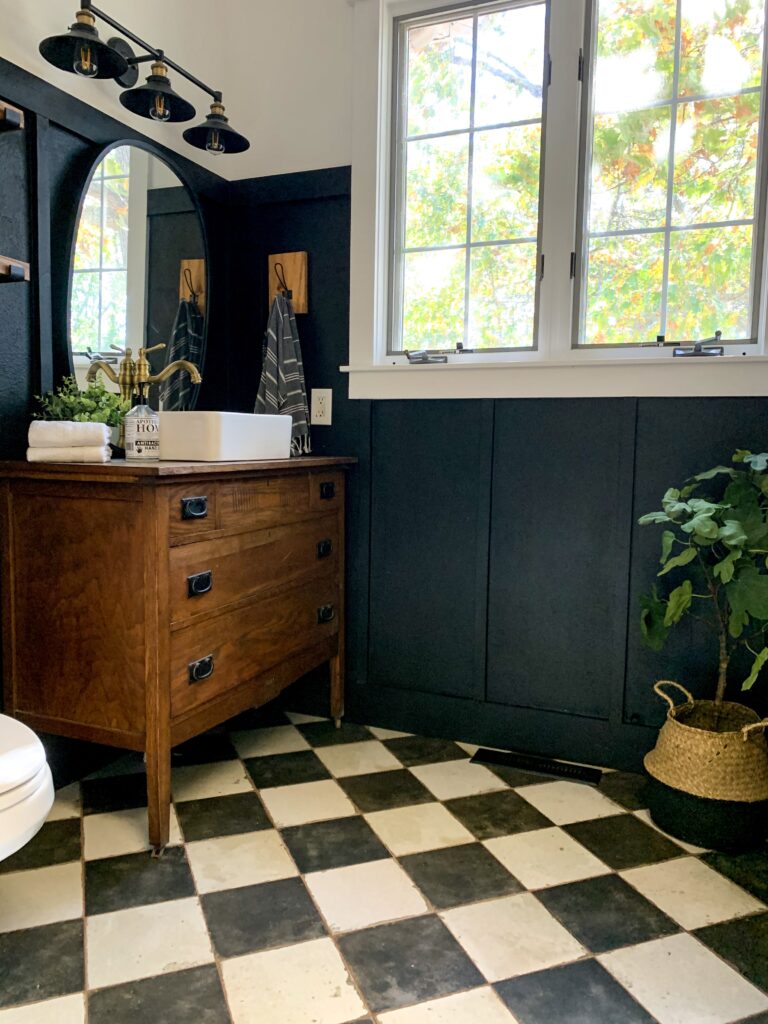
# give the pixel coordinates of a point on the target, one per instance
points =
(26, 786)
(21, 755)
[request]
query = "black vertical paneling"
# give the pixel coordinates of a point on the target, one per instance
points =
(562, 477)
(431, 478)
(40, 219)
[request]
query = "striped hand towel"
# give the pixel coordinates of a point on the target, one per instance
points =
(282, 389)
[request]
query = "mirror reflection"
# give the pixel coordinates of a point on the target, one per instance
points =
(139, 275)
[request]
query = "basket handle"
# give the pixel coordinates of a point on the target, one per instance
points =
(658, 688)
(753, 728)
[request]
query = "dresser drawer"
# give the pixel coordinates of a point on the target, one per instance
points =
(207, 575)
(212, 656)
(192, 510)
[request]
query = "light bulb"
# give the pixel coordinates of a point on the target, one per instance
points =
(214, 143)
(158, 111)
(84, 64)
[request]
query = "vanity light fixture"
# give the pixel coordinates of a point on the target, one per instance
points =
(82, 52)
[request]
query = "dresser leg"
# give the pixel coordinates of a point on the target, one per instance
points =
(337, 688)
(158, 796)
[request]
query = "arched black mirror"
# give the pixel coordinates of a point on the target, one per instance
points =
(139, 271)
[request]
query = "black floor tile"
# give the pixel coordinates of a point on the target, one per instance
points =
(413, 750)
(497, 814)
(204, 749)
(325, 733)
(749, 870)
(333, 844)
(55, 843)
(743, 943)
(135, 879)
(518, 776)
(265, 717)
(606, 913)
(408, 962)
(625, 788)
(623, 841)
(41, 963)
(580, 993)
(117, 793)
(459, 874)
(180, 998)
(221, 816)
(261, 916)
(382, 791)
(286, 769)
(759, 1018)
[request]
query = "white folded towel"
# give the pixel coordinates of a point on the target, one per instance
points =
(67, 434)
(92, 453)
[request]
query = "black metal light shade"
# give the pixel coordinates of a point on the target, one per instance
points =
(82, 52)
(215, 134)
(156, 99)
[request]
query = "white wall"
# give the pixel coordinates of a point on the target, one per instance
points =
(283, 66)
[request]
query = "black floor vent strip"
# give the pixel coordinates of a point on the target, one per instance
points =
(541, 765)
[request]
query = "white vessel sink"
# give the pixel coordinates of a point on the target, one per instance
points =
(223, 436)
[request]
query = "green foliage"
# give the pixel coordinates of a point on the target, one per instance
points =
(94, 405)
(716, 528)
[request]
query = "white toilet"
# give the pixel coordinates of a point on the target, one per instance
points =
(26, 786)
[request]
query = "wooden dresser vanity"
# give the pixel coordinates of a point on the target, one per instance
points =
(143, 604)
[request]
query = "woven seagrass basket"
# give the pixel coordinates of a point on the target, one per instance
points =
(710, 750)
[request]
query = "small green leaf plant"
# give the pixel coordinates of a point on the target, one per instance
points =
(714, 553)
(94, 405)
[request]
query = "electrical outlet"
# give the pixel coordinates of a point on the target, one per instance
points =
(322, 401)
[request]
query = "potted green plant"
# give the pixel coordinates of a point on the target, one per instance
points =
(93, 405)
(709, 768)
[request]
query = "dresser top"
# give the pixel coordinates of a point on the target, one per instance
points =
(118, 470)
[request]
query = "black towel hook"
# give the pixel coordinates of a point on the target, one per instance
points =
(190, 284)
(280, 274)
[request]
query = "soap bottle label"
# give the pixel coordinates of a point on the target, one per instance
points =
(142, 434)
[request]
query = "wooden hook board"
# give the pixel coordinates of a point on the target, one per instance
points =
(197, 270)
(295, 267)
(7, 268)
(11, 118)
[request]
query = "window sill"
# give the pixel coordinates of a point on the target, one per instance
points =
(726, 376)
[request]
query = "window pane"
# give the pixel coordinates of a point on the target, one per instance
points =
(84, 312)
(510, 65)
(502, 296)
(722, 45)
(88, 244)
(716, 159)
(114, 304)
(630, 158)
(709, 283)
(115, 242)
(117, 162)
(623, 303)
(433, 300)
(436, 191)
(439, 77)
(635, 54)
(505, 183)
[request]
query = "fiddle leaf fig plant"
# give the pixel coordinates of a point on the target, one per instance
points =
(714, 562)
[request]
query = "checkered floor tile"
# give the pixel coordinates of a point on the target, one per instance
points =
(364, 875)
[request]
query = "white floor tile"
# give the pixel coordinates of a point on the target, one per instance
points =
(66, 803)
(417, 828)
(645, 815)
(365, 894)
(200, 781)
(565, 802)
(357, 758)
(298, 719)
(480, 1006)
(544, 857)
(67, 1010)
(471, 748)
(306, 802)
(297, 984)
(691, 893)
(282, 739)
(449, 779)
(679, 981)
(41, 896)
(387, 734)
(118, 832)
(512, 936)
(250, 858)
(145, 941)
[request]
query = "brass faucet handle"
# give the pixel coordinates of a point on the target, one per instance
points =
(154, 348)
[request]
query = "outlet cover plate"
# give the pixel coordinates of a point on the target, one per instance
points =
(321, 407)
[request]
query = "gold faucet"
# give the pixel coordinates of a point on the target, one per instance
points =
(131, 374)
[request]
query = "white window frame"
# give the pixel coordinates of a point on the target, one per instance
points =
(554, 368)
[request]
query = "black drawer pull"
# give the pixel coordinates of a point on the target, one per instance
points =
(324, 548)
(200, 583)
(327, 490)
(326, 613)
(194, 508)
(200, 670)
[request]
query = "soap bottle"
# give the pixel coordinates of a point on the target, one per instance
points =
(142, 431)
